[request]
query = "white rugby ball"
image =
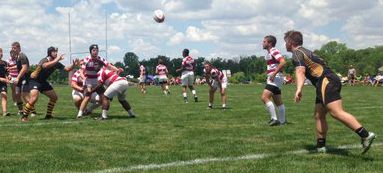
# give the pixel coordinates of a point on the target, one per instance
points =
(159, 16)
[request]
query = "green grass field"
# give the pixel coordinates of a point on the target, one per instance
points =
(171, 136)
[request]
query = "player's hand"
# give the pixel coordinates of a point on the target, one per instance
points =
(120, 70)
(61, 57)
(178, 69)
(298, 96)
(16, 81)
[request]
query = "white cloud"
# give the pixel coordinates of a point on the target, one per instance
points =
(196, 34)
(177, 38)
(143, 49)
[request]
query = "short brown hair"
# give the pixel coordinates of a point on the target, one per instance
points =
(17, 44)
(295, 37)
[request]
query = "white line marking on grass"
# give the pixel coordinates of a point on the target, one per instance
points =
(38, 124)
(211, 160)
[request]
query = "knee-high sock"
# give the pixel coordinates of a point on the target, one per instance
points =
(270, 107)
(50, 107)
(27, 109)
(282, 117)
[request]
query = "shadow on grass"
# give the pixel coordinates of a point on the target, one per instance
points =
(330, 150)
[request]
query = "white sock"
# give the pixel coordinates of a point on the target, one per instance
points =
(104, 114)
(282, 117)
(270, 107)
(210, 104)
(167, 87)
(79, 113)
(184, 94)
(224, 105)
(194, 93)
(165, 92)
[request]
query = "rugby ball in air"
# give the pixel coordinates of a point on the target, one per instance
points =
(159, 16)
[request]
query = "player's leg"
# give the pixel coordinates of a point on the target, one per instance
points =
(4, 102)
(95, 103)
(184, 83)
(125, 104)
(105, 107)
(266, 98)
(191, 86)
(29, 106)
(19, 101)
(211, 97)
(84, 102)
(13, 90)
(321, 126)
(281, 108)
(77, 98)
(51, 94)
(223, 97)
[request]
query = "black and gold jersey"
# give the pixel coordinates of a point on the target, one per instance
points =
(315, 66)
(41, 74)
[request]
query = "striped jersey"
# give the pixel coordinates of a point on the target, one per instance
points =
(13, 72)
(161, 70)
(76, 77)
(215, 74)
(107, 77)
(88, 66)
(272, 59)
(188, 63)
(142, 70)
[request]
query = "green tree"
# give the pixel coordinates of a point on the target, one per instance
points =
(131, 60)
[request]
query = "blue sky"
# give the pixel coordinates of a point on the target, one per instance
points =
(209, 28)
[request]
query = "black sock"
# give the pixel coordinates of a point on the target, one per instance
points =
(321, 142)
(362, 132)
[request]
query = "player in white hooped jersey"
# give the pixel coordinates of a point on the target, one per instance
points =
(142, 79)
(187, 77)
(216, 79)
(115, 86)
(89, 74)
(162, 72)
(275, 63)
(78, 93)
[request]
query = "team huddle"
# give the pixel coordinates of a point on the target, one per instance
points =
(97, 81)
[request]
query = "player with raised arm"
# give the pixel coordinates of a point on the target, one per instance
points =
(215, 79)
(275, 63)
(162, 71)
(328, 86)
(39, 84)
(115, 86)
(89, 74)
(187, 77)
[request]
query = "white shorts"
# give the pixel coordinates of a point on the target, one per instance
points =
(117, 88)
(223, 85)
(278, 80)
(162, 79)
(76, 95)
(142, 79)
(187, 78)
(90, 82)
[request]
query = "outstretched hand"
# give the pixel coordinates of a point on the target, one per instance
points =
(298, 96)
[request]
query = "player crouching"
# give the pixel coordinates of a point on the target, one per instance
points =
(115, 86)
(215, 79)
(78, 96)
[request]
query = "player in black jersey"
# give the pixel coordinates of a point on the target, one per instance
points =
(38, 82)
(328, 87)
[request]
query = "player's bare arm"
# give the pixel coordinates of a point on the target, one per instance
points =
(300, 78)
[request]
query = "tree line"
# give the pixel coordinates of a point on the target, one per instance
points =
(252, 68)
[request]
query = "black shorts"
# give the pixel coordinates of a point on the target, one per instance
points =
(41, 86)
(328, 89)
(273, 89)
(23, 85)
(3, 87)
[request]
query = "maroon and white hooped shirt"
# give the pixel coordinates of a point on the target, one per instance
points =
(272, 59)
(88, 66)
(108, 77)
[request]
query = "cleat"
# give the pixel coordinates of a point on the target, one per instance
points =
(48, 117)
(274, 123)
(33, 114)
(24, 118)
(322, 150)
(20, 113)
(79, 117)
(132, 116)
(6, 114)
(100, 118)
(209, 107)
(195, 99)
(366, 142)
